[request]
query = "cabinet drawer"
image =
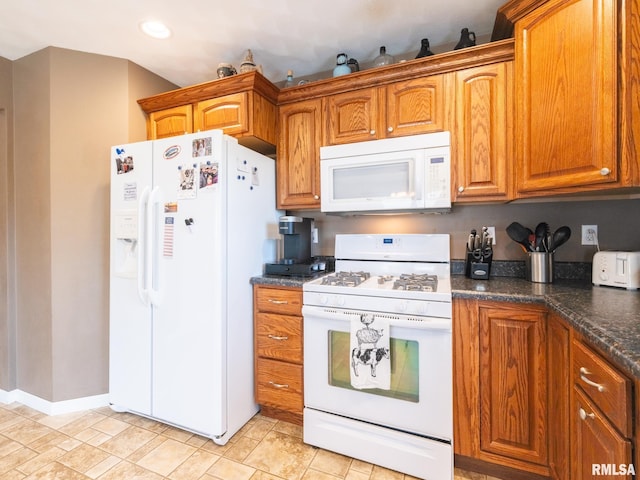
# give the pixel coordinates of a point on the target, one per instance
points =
(278, 300)
(595, 440)
(279, 384)
(609, 390)
(279, 337)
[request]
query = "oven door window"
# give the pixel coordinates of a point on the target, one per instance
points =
(404, 367)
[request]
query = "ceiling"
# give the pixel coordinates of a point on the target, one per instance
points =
(302, 35)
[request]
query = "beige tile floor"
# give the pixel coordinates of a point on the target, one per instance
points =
(104, 445)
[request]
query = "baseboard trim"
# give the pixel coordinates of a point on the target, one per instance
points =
(54, 408)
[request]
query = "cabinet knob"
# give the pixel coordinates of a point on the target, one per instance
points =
(605, 171)
(461, 189)
(372, 132)
(390, 129)
(316, 197)
(584, 415)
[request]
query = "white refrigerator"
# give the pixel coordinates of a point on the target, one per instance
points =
(192, 219)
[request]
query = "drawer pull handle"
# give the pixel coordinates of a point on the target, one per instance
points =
(278, 385)
(584, 415)
(583, 372)
(278, 302)
(278, 337)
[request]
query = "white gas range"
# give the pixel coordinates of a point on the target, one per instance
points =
(377, 354)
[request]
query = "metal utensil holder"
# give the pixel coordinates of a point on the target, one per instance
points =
(539, 267)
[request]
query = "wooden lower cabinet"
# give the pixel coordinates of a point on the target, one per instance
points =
(500, 384)
(278, 351)
(558, 351)
(534, 399)
(601, 415)
(597, 445)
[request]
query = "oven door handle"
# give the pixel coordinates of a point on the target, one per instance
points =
(311, 312)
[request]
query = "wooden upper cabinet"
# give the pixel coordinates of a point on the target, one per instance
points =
(414, 106)
(298, 165)
(228, 113)
(170, 122)
(403, 108)
(352, 116)
(567, 97)
(243, 106)
(482, 146)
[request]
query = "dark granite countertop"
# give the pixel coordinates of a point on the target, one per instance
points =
(284, 280)
(607, 317)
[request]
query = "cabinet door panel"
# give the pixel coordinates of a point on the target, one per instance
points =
(482, 142)
(415, 106)
(298, 164)
(567, 96)
(170, 122)
(594, 440)
(559, 401)
(513, 383)
(352, 116)
(228, 113)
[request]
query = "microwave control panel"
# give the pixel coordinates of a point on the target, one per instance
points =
(438, 180)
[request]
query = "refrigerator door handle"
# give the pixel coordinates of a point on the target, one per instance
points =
(143, 240)
(153, 248)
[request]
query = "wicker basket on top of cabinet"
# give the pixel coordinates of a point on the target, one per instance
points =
(278, 351)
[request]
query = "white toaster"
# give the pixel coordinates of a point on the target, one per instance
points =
(616, 269)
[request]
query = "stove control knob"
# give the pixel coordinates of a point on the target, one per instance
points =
(402, 306)
(423, 309)
(324, 299)
(340, 301)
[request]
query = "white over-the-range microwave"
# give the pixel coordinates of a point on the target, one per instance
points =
(390, 175)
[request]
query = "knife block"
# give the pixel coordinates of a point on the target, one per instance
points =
(477, 269)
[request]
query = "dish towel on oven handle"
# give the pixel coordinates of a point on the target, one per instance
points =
(370, 356)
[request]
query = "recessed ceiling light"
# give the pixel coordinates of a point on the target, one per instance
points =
(155, 29)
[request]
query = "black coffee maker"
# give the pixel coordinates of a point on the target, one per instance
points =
(296, 260)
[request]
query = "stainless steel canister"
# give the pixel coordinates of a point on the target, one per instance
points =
(539, 267)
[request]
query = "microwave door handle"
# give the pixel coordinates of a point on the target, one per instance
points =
(418, 176)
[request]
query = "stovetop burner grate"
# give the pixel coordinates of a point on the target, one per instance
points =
(346, 279)
(417, 282)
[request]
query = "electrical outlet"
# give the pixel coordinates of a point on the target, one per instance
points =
(589, 234)
(492, 232)
(314, 235)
